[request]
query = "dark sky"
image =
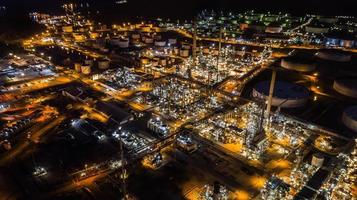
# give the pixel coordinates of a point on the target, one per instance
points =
(187, 7)
(15, 19)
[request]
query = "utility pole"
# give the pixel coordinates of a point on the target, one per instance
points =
(123, 170)
(219, 50)
(194, 45)
(219, 46)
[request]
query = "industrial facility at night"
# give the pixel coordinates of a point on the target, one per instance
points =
(133, 100)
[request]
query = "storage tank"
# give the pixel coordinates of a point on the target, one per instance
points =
(103, 64)
(67, 29)
(316, 28)
(157, 37)
(349, 118)
(160, 43)
(176, 51)
(148, 40)
(273, 29)
(348, 43)
(257, 26)
(286, 94)
(163, 62)
(317, 160)
(186, 46)
(299, 61)
(205, 50)
(347, 87)
(144, 61)
(89, 62)
(77, 67)
(184, 53)
(333, 55)
(135, 36)
(172, 41)
(145, 28)
(86, 69)
(123, 43)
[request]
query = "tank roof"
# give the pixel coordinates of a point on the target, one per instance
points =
(283, 90)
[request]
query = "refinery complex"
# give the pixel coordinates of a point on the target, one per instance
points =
(226, 105)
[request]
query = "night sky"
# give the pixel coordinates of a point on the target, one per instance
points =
(14, 21)
(187, 7)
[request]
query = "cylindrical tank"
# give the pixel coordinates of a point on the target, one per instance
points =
(176, 51)
(135, 36)
(299, 61)
(286, 95)
(349, 118)
(172, 41)
(273, 29)
(163, 62)
(184, 53)
(103, 64)
(316, 29)
(332, 55)
(157, 37)
(148, 40)
(77, 67)
(89, 62)
(347, 87)
(347, 43)
(317, 160)
(186, 46)
(205, 50)
(160, 43)
(67, 29)
(123, 43)
(86, 69)
(144, 61)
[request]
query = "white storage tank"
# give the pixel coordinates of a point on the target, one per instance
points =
(184, 53)
(89, 62)
(86, 69)
(349, 118)
(299, 61)
(157, 37)
(186, 46)
(317, 29)
(172, 41)
(333, 55)
(348, 43)
(347, 87)
(176, 51)
(286, 94)
(135, 36)
(67, 29)
(163, 62)
(124, 43)
(273, 29)
(160, 43)
(317, 160)
(148, 40)
(77, 67)
(205, 50)
(103, 64)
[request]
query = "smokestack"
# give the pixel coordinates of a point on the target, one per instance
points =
(194, 45)
(271, 91)
(219, 46)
